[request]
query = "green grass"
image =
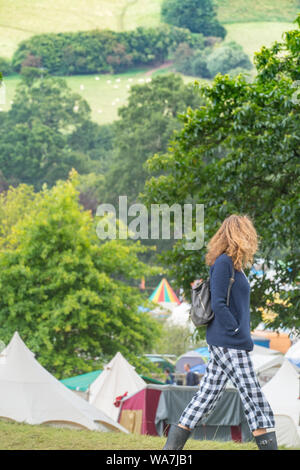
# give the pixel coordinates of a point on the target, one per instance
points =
(252, 36)
(15, 436)
(105, 99)
(106, 93)
(101, 94)
(20, 19)
(237, 11)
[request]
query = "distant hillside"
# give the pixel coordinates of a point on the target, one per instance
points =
(20, 19)
(238, 11)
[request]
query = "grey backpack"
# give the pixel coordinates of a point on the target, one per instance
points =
(201, 312)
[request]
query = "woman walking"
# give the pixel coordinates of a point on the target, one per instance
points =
(229, 339)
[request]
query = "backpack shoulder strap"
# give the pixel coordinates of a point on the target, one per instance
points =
(231, 281)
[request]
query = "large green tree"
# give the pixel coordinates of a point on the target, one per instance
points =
(68, 293)
(199, 16)
(240, 154)
(47, 131)
(145, 126)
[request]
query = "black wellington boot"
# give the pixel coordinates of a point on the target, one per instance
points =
(177, 437)
(267, 441)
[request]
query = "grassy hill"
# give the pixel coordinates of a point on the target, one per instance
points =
(237, 11)
(20, 19)
(15, 436)
(253, 35)
(248, 22)
(106, 93)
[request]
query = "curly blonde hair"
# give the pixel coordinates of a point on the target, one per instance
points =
(237, 238)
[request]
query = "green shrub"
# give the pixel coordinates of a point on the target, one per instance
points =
(101, 51)
(227, 57)
(199, 64)
(208, 62)
(183, 58)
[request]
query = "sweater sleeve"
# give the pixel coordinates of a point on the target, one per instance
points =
(219, 282)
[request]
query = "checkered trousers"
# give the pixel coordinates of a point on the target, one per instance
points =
(235, 365)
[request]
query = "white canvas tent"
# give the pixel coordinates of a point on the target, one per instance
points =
(266, 362)
(282, 392)
(30, 394)
(293, 354)
(117, 378)
(265, 351)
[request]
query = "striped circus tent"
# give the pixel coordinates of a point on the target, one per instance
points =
(165, 297)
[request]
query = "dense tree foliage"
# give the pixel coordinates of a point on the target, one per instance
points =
(67, 292)
(199, 16)
(240, 154)
(48, 131)
(106, 51)
(145, 126)
(227, 57)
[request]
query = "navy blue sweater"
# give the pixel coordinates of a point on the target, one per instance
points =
(230, 327)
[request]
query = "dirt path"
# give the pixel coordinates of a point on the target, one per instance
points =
(161, 66)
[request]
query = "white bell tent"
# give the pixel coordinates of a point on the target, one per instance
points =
(282, 392)
(30, 394)
(117, 378)
(293, 354)
(266, 362)
(265, 351)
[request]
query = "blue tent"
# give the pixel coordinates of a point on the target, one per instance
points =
(293, 354)
(200, 368)
(265, 342)
(296, 362)
(204, 352)
(143, 309)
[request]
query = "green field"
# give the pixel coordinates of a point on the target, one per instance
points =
(104, 93)
(237, 11)
(15, 436)
(20, 19)
(252, 36)
(251, 24)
